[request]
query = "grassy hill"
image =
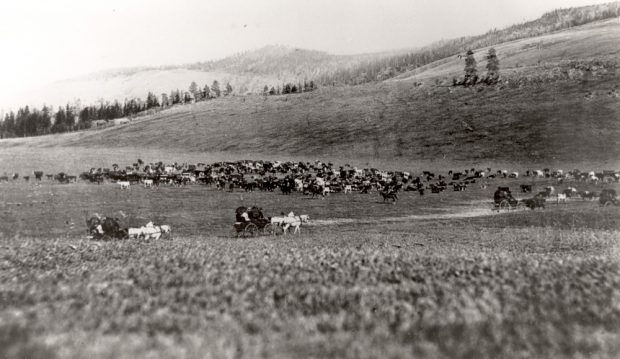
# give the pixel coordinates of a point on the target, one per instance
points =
(250, 71)
(559, 103)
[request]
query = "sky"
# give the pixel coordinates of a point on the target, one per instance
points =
(42, 41)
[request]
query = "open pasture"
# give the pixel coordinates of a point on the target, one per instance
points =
(435, 276)
(49, 209)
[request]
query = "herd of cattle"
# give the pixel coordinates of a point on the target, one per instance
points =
(315, 178)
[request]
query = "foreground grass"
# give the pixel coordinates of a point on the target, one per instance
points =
(393, 290)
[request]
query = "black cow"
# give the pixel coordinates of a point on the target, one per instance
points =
(38, 175)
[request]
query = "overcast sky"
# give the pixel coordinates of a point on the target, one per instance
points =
(46, 40)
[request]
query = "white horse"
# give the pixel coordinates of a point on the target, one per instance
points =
(290, 221)
(150, 231)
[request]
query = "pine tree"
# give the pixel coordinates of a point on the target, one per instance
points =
(206, 92)
(193, 89)
(492, 67)
(265, 90)
(229, 89)
(471, 71)
(215, 87)
(272, 91)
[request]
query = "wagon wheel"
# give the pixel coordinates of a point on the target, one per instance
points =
(504, 205)
(251, 230)
(608, 204)
(269, 229)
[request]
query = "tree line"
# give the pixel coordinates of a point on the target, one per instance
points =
(31, 121)
(290, 88)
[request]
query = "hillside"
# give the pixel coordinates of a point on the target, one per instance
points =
(250, 71)
(563, 110)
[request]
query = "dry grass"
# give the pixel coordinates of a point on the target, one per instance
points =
(445, 292)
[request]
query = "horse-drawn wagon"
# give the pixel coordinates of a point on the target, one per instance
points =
(608, 198)
(250, 222)
(504, 201)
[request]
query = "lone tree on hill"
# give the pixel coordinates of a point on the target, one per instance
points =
(471, 73)
(492, 67)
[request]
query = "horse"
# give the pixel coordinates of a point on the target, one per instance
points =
(290, 221)
(387, 195)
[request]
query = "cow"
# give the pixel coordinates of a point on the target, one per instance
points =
(459, 187)
(123, 184)
(588, 195)
(561, 197)
(4, 178)
(348, 189)
(148, 183)
(514, 175)
(570, 192)
(38, 175)
(526, 188)
(49, 177)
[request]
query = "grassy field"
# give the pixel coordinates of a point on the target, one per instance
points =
(424, 289)
(433, 276)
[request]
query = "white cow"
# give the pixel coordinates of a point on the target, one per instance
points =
(148, 183)
(299, 185)
(561, 198)
(514, 175)
(124, 184)
(348, 189)
(538, 173)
